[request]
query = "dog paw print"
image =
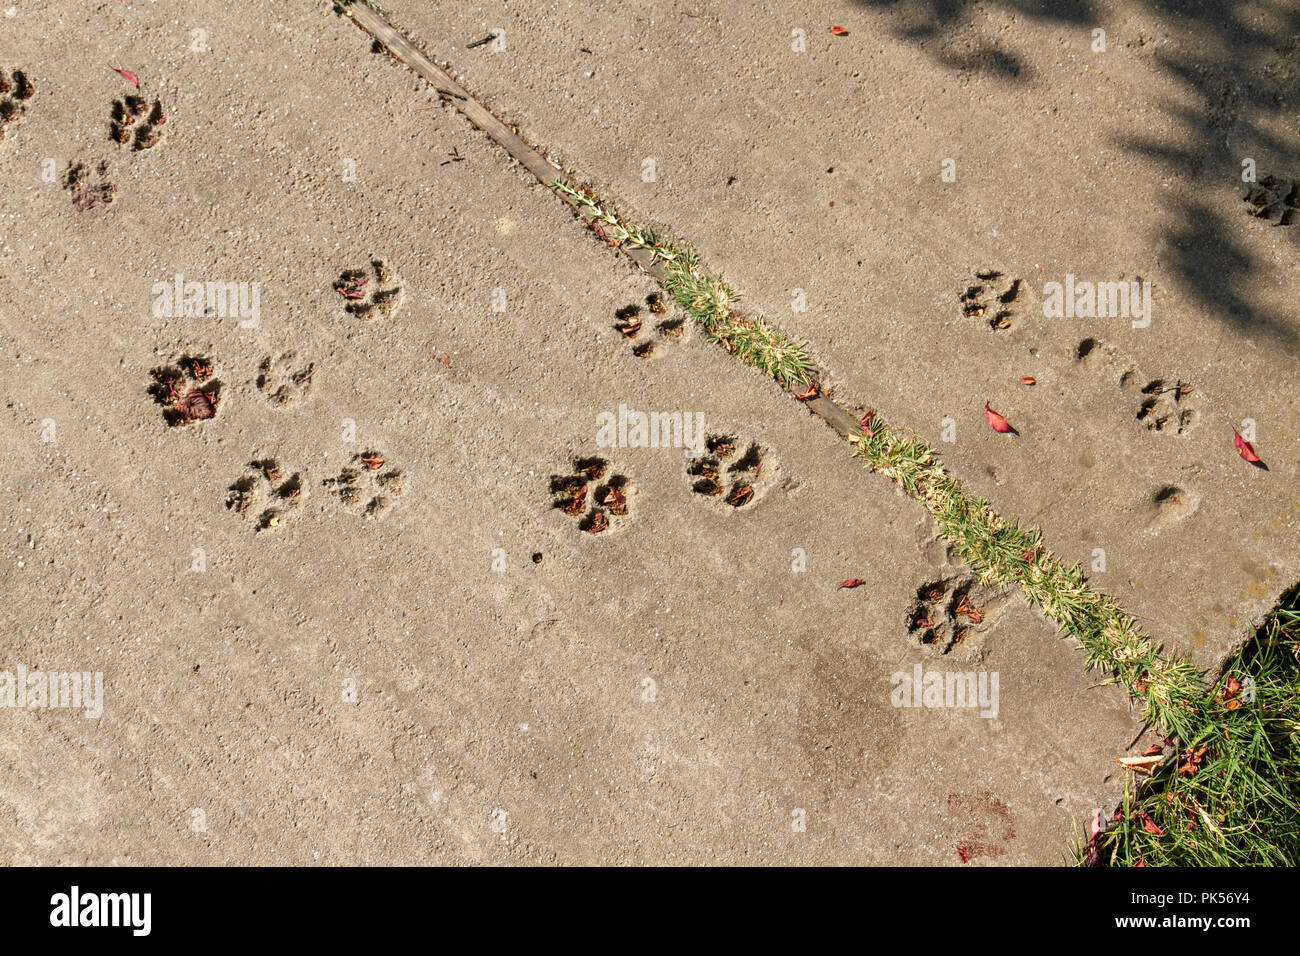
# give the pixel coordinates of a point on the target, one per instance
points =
(727, 474)
(370, 294)
(1273, 198)
(15, 91)
(591, 494)
(368, 485)
(265, 495)
(630, 322)
(951, 613)
(1165, 408)
(991, 298)
(187, 390)
(134, 122)
(89, 188)
(283, 379)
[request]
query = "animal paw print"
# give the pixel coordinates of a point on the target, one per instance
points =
(1274, 198)
(367, 301)
(598, 507)
(264, 491)
(951, 613)
(367, 486)
(726, 474)
(990, 298)
(85, 194)
(283, 380)
(630, 324)
(187, 390)
(132, 121)
(15, 90)
(1167, 409)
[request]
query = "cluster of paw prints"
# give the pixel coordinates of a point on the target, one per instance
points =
(1273, 198)
(368, 484)
(134, 122)
(598, 499)
(630, 323)
(88, 187)
(725, 473)
(952, 613)
(370, 293)
(15, 91)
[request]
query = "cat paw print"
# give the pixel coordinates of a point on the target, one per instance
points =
(992, 298)
(15, 90)
(1168, 408)
(370, 294)
(630, 322)
(186, 389)
(368, 485)
(1273, 198)
(952, 613)
(283, 379)
(598, 499)
(726, 473)
(133, 122)
(265, 495)
(88, 187)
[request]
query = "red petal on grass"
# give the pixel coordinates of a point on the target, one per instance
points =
(866, 420)
(839, 31)
(128, 76)
(1244, 448)
(1150, 825)
(1142, 861)
(996, 421)
(852, 583)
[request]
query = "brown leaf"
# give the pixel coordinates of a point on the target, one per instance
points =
(196, 405)
(1149, 825)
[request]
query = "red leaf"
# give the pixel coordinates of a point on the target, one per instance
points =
(839, 32)
(1142, 861)
(1245, 449)
(1150, 825)
(1028, 380)
(196, 405)
(810, 393)
(997, 422)
(1152, 750)
(866, 420)
(128, 76)
(852, 583)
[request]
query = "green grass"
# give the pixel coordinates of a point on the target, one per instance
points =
(1241, 803)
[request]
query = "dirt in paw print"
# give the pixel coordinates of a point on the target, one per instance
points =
(134, 122)
(15, 90)
(370, 294)
(88, 187)
(1168, 408)
(631, 323)
(598, 499)
(952, 613)
(266, 494)
(368, 485)
(1273, 198)
(187, 390)
(729, 474)
(992, 298)
(283, 379)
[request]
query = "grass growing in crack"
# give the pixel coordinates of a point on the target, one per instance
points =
(1240, 804)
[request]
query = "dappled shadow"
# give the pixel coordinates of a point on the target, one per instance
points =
(1238, 64)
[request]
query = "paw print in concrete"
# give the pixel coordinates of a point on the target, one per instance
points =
(132, 121)
(283, 379)
(598, 499)
(265, 495)
(89, 187)
(368, 485)
(630, 322)
(370, 294)
(992, 298)
(1273, 198)
(729, 475)
(15, 90)
(1167, 408)
(187, 390)
(952, 612)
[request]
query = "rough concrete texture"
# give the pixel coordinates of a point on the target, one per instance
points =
(822, 171)
(344, 689)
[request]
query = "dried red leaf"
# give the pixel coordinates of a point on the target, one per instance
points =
(1142, 861)
(1231, 687)
(615, 500)
(924, 622)
(1245, 449)
(1149, 825)
(598, 523)
(838, 31)
(1028, 380)
(740, 495)
(128, 76)
(810, 393)
(852, 583)
(443, 360)
(196, 405)
(997, 422)
(1152, 750)
(866, 420)
(373, 460)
